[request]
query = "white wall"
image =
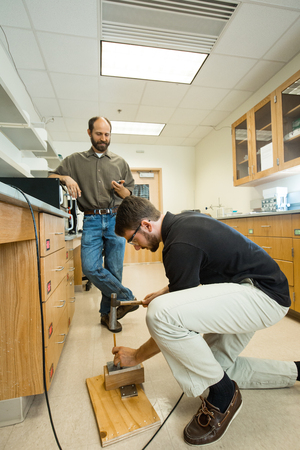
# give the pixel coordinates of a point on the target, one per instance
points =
(177, 164)
(214, 172)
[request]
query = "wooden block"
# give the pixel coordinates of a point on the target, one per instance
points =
(119, 418)
(123, 377)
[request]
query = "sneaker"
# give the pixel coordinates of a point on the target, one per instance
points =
(209, 425)
(105, 321)
(123, 310)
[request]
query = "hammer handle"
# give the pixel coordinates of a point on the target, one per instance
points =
(131, 302)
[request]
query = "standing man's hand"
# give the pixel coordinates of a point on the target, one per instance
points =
(120, 189)
(71, 185)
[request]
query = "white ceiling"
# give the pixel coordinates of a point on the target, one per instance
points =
(55, 46)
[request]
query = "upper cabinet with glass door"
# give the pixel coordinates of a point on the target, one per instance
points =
(266, 140)
(241, 151)
(263, 121)
(288, 104)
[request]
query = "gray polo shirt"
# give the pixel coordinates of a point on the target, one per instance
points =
(94, 176)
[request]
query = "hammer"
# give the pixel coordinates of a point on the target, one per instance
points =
(114, 303)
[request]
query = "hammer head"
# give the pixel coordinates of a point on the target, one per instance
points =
(114, 303)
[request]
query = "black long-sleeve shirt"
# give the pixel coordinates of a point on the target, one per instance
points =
(201, 250)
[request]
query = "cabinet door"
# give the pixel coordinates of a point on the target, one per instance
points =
(241, 147)
(288, 119)
(264, 139)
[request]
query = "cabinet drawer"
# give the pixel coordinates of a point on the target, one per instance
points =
(54, 349)
(296, 225)
(16, 223)
(287, 268)
(238, 224)
(54, 308)
(52, 234)
(270, 226)
(277, 248)
(53, 270)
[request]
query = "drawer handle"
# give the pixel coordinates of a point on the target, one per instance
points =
(73, 301)
(65, 337)
(59, 269)
(61, 306)
(58, 233)
(71, 269)
(71, 249)
(265, 226)
(265, 247)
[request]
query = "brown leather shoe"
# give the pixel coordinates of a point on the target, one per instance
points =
(105, 321)
(123, 310)
(209, 424)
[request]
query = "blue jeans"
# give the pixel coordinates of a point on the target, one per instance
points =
(99, 242)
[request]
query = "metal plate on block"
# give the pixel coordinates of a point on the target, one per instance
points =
(128, 391)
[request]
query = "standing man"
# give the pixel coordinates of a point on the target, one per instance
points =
(201, 329)
(100, 180)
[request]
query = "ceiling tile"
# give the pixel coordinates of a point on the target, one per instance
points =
(81, 137)
(75, 87)
(214, 118)
(13, 14)
(233, 100)
(187, 116)
(118, 111)
(79, 109)
(223, 71)
(120, 90)
(287, 46)
(77, 125)
(253, 30)
(259, 75)
(177, 131)
(69, 54)
(173, 141)
(142, 140)
(163, 94)
(154, 114)
(57, 125)
(203, 97)
(47, 107)
(119, 139)
(200, 132)
(284, 3)
(37, 83)
(24, 48)
(66, 17)
(60, 136)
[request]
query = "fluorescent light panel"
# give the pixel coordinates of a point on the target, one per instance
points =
(148, 63)
(144, 129)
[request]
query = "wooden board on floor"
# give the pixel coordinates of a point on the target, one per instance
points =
(120, 418)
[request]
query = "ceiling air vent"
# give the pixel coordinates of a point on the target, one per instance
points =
(179, 25)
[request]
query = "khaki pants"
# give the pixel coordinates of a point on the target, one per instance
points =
(201, 332)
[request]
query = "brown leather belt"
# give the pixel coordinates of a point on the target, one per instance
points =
(101, 211)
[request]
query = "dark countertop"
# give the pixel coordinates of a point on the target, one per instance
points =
(260, 214)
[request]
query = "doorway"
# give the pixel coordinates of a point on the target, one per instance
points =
(148, 184)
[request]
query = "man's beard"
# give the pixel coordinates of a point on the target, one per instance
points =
(100, 146)
(152, 241)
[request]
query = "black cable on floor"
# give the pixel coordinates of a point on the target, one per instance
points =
(41, 310)
(163, 422)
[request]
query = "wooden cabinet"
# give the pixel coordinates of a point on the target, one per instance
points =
(21, 352)
(266, 140)
(279, 236)
(57, 275)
